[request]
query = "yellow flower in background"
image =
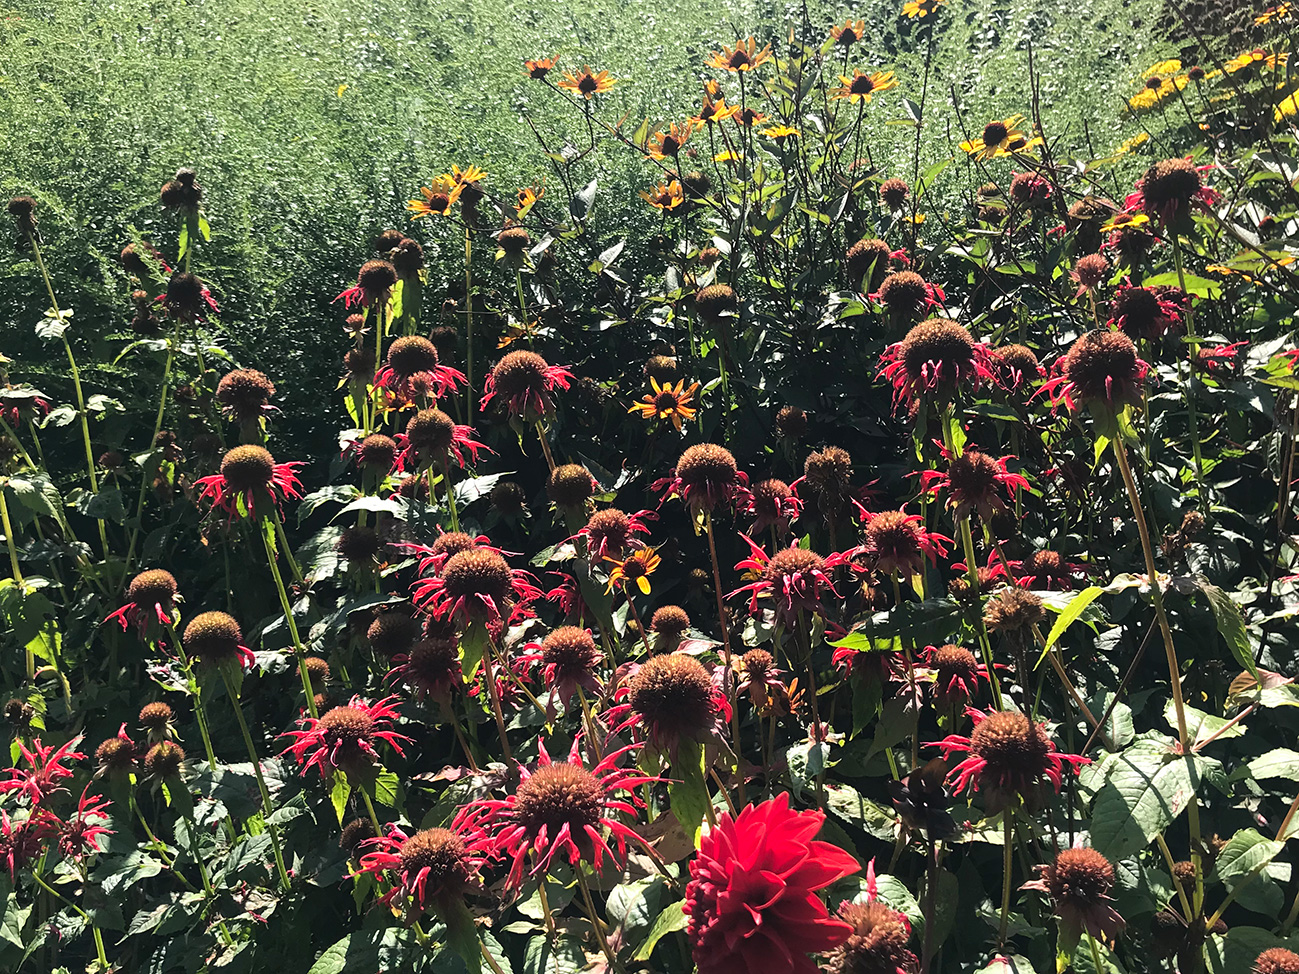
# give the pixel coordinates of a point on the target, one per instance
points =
(668, 402)
(1280, 12)
(779, 132)
(466, 179)
(438, 199)
(850, 33)
(1155, 91)
(1138, 140)
(714, 110)
(665, 196)
(587, 83)
(538, 69)
(1287, 107)
(728, 155)
(667, 144)
(1256, 56)
(863, 84)
(1125, 221)
(1163, 69)
(527, 199)
(920, 9)
(1001, 138)
(744, 56)
(637, 568)
(749, 117)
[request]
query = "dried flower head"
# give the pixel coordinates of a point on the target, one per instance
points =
(377, 452)
(1016, 367)
(877, 944)
(671, 696)
(156, 718)
(354, 833)
(526, 382)
(894, 193)
(1079, 883)
(1101, 369)
(907, 295)
(934, 358)
(1277, 960)
(393, 632)
(716, 301)
(1142, 312)
(705, 476)
(214, 638)
(164, 760)
(1014, 612)
(1168, 189)
(896, 542)
(245, 395)
(570, 486)
(1031, 191)
(791, 423)
(374, 282)
(867, 256)
(1090, 271)
(670, 621)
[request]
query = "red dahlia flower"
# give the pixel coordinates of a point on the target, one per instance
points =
(561, 808)
(344, 737)
(792, 578)
(1008, 754)
(249, 474)
(751, 900)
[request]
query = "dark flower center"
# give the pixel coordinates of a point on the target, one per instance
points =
(1081, 876)
(247, 467)
(994, 133)
(673, 694)
(1011, 744)
(557, 795)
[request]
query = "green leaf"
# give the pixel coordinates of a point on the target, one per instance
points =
(367, 951)
(107, 505)
(1017, 964)
(1143, 791)
(37, 494)
(565, 956)
(339, 793)
(583, 199)
(1280, 762)
(461, 934)
(1246, 852)
(1201, 287)
(850, 805)
(204, 229)
(1071, 612)
(387, 788)
(1084, 958)
(689, 795)
(1201, 726)
(672, 918)
(1231, 625)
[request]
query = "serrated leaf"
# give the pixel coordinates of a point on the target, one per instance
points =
(1231, 625)
(1248, 850)
(672, 918)
(1143, 792)
(851, 806)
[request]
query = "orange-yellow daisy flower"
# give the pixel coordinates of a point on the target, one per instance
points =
(468, 177)
(1001, 137)
(850, 33)
(779, 132)
(538, 69)
(920, 9)
(668, 401)
(714, 111)
(1256, 56)
(862, 85)
(636, 567)
(745, 56)
(1280, 12)
(666, 144)
(665, 196)
(527, 199)
(587, 83)
(438, 199)
(748, 117)
(1125, 221)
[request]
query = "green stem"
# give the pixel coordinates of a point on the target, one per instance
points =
(451, 494)
(469, 328)
(729, 672)
(298, 651)
(1007, 867)
(284, 543)
(369, 810)
(601, 933)
(261, 781)
(200, 712)
(157, 428)
(1188, 390)
(17, 572)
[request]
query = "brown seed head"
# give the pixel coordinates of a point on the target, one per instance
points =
(153, 587)
(789, 562)
(670, 620)
(707, 467)
(894, 192)
(132, 262)
(358, 363)
(213, 637)
(903, 291)
(164, 760)
(791, 423)
(17, 712)
(408, 258)
(662, 368)
(768, 495)
(894, 538)
(1081, 877)
(519, 373)
(411, 354)
(696, 185)
(387, 241)
(867, 256)
(377, 452)
(973, 474)
(1013, 611)
(571, 650)
(716, 300)
(317, 671)
(1030, 190)
(610, 526)
(829, 471)
(1103, 367)
(156, 716)
(955, 661)
(673, 694)
(354, 833)
(442, 853)
(1091, 269)
(1277, 960)
(1011, 744)
(376, 277)
(877, 944)
(1170, 182)
(570, 486)
(557, 795)
(514, 240)
(184, 296)
(245, 392)
(1012, 359)
(115, 756)
(393, 632)
(22, 207)
(939, 341)
(434, 663)
(480, 571)
(508, 497)
(431, 431)
(247, 467)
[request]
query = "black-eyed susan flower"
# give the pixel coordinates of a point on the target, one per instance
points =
(467, 180)
(538, 69)
(1255, 58)
(1280, 12)
(1159, 82)
(849, 33)
(668, 402)
(667, 144)
(438, 198)
(664, 196)
(635, 569)
(749, 117)
(1001, 137)
(781, 132)
(863, 84)
(744, 56)
(714, 109)
(527, 198)
(587, 83)
(920, 9)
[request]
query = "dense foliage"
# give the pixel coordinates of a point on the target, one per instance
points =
(881, 562)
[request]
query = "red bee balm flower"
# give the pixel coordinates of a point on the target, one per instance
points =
(792, 578)
(670, 697)
(431, 435)
(374, 282)
(433, 867)
(344, 737)
(561, 808)
(249, 474)
(897, 542)
(1079, 883)
(705, 476)
(79, 836)
(972, 482)
(1008, 755)
(526, 381)
(414, 356)
(568, 658)
(608, 533)
(1101, 368)
(150, 595)
(936, 357)
(475, 585)
(46, 769)
(1170, 188)
(752, 899)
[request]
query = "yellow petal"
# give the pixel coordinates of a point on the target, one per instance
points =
(642, 583)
